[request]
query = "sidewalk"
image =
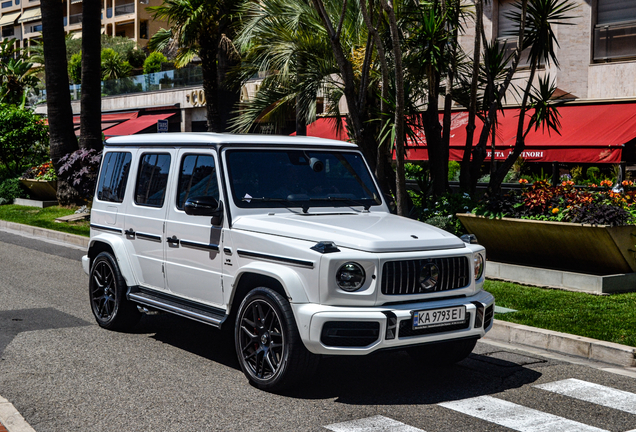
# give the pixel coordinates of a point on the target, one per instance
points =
(11, 420)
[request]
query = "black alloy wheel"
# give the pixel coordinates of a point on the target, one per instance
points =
(268, 346)
(107, 291)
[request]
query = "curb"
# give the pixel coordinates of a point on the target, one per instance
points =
(578, 346)
(11, 419)
(71, 239)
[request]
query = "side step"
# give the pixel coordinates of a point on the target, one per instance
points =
(178, 306)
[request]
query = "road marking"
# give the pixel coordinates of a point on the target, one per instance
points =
(594, 393)
(515, 416)
(372, 424)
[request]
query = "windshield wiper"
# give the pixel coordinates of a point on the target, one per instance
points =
(287, 203)
(354, 202)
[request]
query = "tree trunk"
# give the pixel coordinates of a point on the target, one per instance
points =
(62, 138)
(91, 110)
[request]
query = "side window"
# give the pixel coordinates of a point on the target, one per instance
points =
(152, 179)
(114, 176)
(197, 177)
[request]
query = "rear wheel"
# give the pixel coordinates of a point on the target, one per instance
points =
(443, 353)
(107, 291)
(268, 345)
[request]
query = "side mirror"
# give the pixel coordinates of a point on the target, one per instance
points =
(205, 206)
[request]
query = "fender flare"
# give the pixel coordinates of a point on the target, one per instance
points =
(121, 255)
(286, 276)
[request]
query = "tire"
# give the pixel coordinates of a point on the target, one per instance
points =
(443, 353)
(268, 345)
(107, 292)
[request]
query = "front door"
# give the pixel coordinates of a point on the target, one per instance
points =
(193, 244)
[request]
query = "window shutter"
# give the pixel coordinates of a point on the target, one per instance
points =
(611, 11)
(507, 28)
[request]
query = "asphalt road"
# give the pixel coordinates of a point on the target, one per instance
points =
(64, 373)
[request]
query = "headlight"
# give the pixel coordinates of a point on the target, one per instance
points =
(479, 266)
(350, 276)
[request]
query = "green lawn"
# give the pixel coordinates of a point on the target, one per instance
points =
(44, 218)
(610, 318)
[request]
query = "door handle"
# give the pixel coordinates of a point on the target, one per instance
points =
(173, 240)
(130, 232)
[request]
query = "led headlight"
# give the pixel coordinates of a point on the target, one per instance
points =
(479, 266)
(350, 276)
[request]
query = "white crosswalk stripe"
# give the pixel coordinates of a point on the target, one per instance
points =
(515, 416)
(373, 424)
(594, 393)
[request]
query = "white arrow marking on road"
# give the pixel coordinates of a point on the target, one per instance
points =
(372, 424)
(515, 416)
(595, 393)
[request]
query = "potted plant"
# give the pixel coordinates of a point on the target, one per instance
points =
(41, 181)
(586, 230)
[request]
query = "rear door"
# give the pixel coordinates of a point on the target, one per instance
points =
(193, 248)
(145, 217)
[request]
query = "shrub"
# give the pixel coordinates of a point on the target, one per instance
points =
(596, 213)
(80, 170)
(45, 171)
(75, 68)
(23, 139)
(153, 62)
(11, 189)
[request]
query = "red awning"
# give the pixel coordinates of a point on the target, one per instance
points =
(325, 127)
(112, 117)
(135, 125)
(589, 134)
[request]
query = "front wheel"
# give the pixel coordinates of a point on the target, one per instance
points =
(107, 291)
(443, 353)
(268, 345)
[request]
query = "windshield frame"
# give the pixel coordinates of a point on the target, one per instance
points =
(302, 205)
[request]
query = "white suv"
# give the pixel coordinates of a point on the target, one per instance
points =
(285, 241)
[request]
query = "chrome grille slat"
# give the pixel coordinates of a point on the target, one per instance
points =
(402, 277)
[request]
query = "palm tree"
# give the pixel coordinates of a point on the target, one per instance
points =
(203, 28)
(62, 138)
(91, 102)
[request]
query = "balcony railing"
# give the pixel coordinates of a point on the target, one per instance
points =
(75, 19)
(179, 78)
(614, 41)
(125, 9)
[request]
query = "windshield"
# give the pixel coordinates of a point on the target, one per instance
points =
(297, 178)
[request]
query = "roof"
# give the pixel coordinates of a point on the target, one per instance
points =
(209, 138)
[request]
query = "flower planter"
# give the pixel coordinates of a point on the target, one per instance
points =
(41, 189)
(590, 249)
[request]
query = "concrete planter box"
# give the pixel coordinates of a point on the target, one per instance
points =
(41, 189)
(589, 249)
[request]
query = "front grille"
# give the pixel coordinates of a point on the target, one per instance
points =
(488, 316)
(349, 333)
(403, 277)
(406, 328)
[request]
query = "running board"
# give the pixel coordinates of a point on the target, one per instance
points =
(178, 306)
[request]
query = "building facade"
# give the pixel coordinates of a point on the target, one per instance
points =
(21, 20)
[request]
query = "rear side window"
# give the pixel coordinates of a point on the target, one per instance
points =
(114, 176)
(152, 179)
(197, 178)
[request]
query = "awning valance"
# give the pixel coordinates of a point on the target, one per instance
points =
(135, 125)
(9, 18)
(31, 15)
(589, 134)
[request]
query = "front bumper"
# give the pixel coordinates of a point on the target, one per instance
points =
(311, 318)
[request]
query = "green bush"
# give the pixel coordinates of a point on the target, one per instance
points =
(153, 62)
(23, 139)
(75, 68)
(454, 169)
(11, 189)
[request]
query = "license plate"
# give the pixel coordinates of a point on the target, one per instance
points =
(438, 317)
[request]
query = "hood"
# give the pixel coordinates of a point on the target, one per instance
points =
(371, 232)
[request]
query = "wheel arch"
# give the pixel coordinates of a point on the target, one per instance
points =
(115, 247)
(279, 278)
